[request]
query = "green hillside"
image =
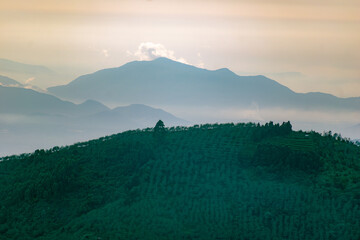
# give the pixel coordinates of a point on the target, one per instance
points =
(219, 181)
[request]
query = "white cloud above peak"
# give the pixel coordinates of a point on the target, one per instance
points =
(149, 51)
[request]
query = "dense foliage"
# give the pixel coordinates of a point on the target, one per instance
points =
(213, 181)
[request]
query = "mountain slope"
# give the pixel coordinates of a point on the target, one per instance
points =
(31, 120)
(12, 66)
(14, 100)
(225, 181)
(166, 82)
(136, 115)
(5, 81)
(26, 101)
(93, 107)
(37, 75)
(23, 101)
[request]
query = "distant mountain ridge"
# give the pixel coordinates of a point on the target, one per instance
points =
(31, 120)
(37, 75)
(5, 81)
(12, 66)
(16, 100)
(164, 81)
(137, 114)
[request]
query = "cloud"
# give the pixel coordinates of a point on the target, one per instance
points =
(29, 80)
(105, 52)
(149, 51)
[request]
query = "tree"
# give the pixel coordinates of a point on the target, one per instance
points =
(159, 131)
(159, 127)
(286, 127)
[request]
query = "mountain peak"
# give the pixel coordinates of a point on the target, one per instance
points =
(162, 59)
(224, 69)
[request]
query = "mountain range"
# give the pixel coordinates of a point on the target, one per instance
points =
(5, 81)
(167, 82)
(9, 82)
(38, 75)
(31, 120)
(17, 100)
(12, 66)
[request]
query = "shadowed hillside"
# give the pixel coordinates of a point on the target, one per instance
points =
(227, 181)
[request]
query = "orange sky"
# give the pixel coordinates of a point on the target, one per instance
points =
(320, 40)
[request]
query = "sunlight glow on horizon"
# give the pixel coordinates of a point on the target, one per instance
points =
(320, 39)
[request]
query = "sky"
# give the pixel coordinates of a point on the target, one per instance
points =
(305, 45)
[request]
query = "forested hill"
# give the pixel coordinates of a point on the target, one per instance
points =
(221, 181)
